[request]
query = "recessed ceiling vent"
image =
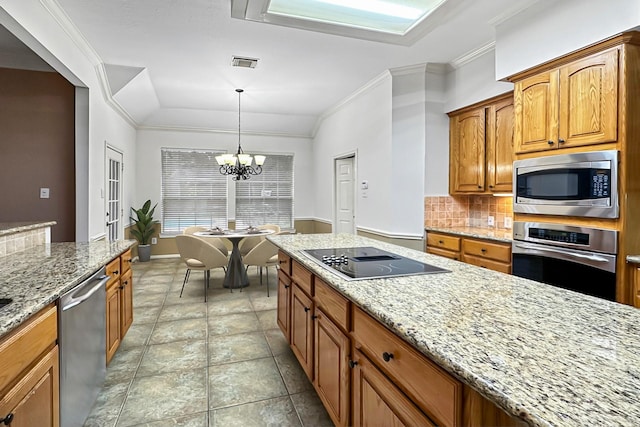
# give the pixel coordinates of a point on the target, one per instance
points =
(239, 61)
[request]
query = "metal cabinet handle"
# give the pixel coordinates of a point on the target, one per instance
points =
(387, 356)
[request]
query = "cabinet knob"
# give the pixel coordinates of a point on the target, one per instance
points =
(441, 242)
(286, 286)
(483, 250)
(550, 142)
(7, 420)
(561, 141)
(115, 272)
(314, 317)
(352, 364)
(387, 356)
(282, 262)
(479, 186)
(306, 309)
(491, 186)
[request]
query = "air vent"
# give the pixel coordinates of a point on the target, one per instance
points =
(239, 61)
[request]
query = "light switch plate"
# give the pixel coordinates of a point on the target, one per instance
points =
(154, 240)
(44, 193)
(491, 221)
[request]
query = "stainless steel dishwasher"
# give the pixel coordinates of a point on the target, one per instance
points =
(82, 341)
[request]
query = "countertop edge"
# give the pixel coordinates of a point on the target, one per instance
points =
(25, 227)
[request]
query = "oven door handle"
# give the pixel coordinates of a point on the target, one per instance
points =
(595, 258)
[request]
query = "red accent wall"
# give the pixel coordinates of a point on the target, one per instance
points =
(37, 149)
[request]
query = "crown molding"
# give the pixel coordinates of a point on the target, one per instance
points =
(438, 68)
(409, 69)
(510, 13)
(106, 93)
(188, 129)
(471, 56)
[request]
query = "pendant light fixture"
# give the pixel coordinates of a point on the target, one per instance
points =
(238, 165)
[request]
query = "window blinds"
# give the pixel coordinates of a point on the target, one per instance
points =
(267, 198)
(193, 190)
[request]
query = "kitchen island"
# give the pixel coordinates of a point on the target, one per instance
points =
(548, 356)
(36, 277)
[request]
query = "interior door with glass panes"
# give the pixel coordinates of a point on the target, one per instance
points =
(113, 200)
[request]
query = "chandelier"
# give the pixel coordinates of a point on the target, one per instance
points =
(238, 165)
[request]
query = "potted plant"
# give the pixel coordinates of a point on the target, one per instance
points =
(143, 229)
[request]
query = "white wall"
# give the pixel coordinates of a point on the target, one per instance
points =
(361, 124)
(406, 216)
(32, 23)
(436, 163)
(149, 170)
(473, 82)
(552, 28)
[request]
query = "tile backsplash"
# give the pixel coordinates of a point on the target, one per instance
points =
(17, 242)
(466, 211)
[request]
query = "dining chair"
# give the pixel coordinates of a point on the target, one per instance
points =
(199, 254)
(264, 254)
(218, 242)
(249, 243)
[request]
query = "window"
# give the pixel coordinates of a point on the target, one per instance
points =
(193, 190)
(267, 198)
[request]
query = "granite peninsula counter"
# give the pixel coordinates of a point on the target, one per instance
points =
(546, 355)
(38, 276)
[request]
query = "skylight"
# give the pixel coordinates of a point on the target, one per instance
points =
(387, 16)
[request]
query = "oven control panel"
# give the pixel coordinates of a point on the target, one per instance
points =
(559, 236)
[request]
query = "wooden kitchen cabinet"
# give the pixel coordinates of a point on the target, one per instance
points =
(572, 105)
(302, 328)
(29, 384)
(480, 252)
(378, 402)
(434, 391)
(283, 315)
(119, 301)
(635, 287)
(492, 255)
(481, 147)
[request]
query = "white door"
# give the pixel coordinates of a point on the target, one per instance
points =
(113, 203)
(345, 202)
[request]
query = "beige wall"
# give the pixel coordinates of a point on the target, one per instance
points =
(37, 150)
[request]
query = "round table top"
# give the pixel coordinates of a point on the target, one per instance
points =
(230, 234)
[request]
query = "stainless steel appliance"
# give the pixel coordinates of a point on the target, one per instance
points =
(576, 258)
(367, 262)
(82, 340)
(579, 184)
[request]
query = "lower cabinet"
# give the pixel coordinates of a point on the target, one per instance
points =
(364, 374)
(302, 329)
(29, 382)
(479, 252)
(378, 402)
(635, 287)
(331, 368)
(119, 301)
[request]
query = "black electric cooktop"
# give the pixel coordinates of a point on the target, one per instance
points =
(368, 263)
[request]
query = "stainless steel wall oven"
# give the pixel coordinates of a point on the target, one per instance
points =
(578, 184)
(575, 258)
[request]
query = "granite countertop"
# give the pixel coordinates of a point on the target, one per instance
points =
(38, 276)
(635, 259)
(549, 356)
(7, 228)
(497, 234)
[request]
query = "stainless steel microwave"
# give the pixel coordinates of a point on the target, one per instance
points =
(579, 184)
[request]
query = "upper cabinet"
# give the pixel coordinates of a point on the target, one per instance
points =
(481, 147)
(572, 105)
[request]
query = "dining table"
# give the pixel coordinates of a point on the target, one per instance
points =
(236, 274)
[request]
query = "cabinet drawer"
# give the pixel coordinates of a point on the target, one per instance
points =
(432, 389)
(26, 344)
(332, 303)
(113, 271)
(302, 277)
(284, 261)
(502, 267)
(444, 252)
(496, 251)
(125, 261)
(443, 241)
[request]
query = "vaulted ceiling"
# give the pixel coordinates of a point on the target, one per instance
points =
(168, 62)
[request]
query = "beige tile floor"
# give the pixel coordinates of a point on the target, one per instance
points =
(187, 363)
